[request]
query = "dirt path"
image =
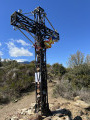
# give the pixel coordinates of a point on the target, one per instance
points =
(24, 102)
(11, 108)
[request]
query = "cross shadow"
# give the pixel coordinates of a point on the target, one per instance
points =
(65, 112)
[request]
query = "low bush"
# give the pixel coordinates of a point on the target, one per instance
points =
(4, 100)
(75, 82)
(64, 89)
(84, 94)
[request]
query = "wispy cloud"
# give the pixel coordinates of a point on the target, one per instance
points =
(15, 51)
(0, 44)
(22, 42)
(1, 53)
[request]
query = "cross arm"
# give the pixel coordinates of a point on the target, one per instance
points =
(21, 21)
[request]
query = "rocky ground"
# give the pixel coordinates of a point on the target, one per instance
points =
(61, 109)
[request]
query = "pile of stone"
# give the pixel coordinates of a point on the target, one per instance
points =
(59, 112)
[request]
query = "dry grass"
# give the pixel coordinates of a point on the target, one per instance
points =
(64, 88)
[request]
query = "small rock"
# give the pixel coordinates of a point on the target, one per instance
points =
(66, 118)
(51, 105)
(15, 100)
(21, 119)
(35, 117)
(48, 118)
(61, 118)
(77, 98)
(56, 106)
(85, 117)
(7, 118)
(31, 111)
(19, 111)
(24, 111)
(82, 104)
(14, 118)
(56, 118)
(32, 105)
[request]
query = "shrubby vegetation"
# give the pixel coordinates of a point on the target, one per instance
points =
(56, 70)
(76, 78)
(15, 79)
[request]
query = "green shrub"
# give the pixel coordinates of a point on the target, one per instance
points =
(76, 81)
(14, 78)
(21, 67)
(58, 69)
(79, 76)
(4, 100)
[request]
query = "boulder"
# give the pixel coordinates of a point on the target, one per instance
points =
(35, 117)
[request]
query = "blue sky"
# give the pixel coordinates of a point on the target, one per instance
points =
(71, 18)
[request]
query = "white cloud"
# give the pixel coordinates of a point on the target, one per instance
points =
(22, 42)
(2, 59)
(0, 44)
(21, 60)
(1, 53)
(15, 51)
(5, 60)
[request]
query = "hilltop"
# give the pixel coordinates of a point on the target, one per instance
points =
(69, 91)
